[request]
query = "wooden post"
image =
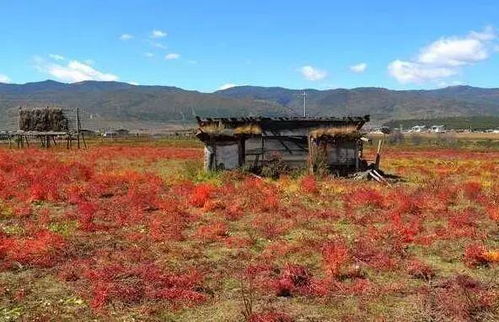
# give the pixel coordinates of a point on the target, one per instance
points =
(310, 155)
(263, 149)
(242, 151)
(78, 126)
(378, 155)
(357, 156)
(83, 139)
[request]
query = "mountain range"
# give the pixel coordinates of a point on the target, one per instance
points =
(117, 105)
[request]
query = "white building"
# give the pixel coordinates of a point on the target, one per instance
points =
(418, 128)
(438, 129)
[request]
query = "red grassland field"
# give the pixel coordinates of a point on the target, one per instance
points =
(140, 233)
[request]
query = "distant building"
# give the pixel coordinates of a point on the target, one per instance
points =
(122, 132)
(110, 134)
(418, 129)
(116, 133)
(438, 129)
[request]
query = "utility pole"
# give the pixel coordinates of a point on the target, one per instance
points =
(304, 104)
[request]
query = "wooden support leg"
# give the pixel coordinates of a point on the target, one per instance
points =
(83, 139)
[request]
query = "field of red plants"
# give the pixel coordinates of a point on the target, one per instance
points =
(140, 233)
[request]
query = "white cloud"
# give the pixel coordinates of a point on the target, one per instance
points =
(126, 37)
(159, 45)
(454, 52)
(359, 68)
(4, 79)
(172, 56)
(444, 58)
(226, 86)
(56, 57)
(134, 83)
(158, 34)
(408, 72)
(313, 74)
(73, 71)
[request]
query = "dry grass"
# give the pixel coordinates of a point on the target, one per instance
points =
(343, 132)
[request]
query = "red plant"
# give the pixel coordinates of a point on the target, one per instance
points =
(472, 190)
(213, 232)
(270, 317)
(418, 269)
(42, 249)
(86, 212)
(293, 278)
(493, 212)
(476, 255)
(365, 197)
(167, 226)
(201, 194)
(131, 283)
(309, 185)
(335, 255)
(460, 298)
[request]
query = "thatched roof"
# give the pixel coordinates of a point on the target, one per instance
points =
(284, 123)
(222, 131)
(336, 133)
(321, 127)
(43, 120)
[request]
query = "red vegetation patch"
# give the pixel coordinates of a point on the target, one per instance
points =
(201, 194)
(212, 232)
(460, 298)
(270, 317)
(309, 185)
(477, 255)
(335, 255)
(418, 269)
(125, 239)
(42, 249)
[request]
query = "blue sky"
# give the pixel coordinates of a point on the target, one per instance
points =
(205, 45)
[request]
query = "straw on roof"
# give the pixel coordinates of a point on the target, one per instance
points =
(43, 120)
(343, 132)
(252, 129)
(222, 130)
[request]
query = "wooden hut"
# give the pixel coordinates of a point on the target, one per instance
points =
(48, 125)
(298, 142)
